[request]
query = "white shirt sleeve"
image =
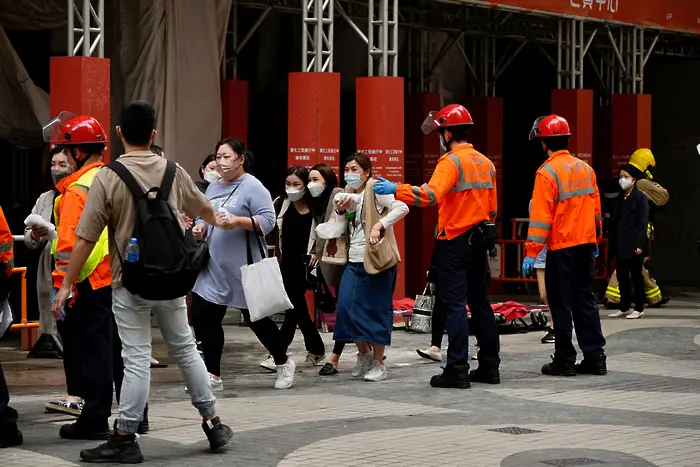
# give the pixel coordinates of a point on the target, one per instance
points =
(397, 209)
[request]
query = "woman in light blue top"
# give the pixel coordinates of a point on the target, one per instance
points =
(241, 199)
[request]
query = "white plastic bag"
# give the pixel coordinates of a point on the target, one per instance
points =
(36, 219)
(263, 289)
(329, 230)
(5, 317)
(353, 197)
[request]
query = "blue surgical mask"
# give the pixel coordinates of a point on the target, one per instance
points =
(353, 180)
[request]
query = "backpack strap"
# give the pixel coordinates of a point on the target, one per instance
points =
(168, 178)
(131, 183)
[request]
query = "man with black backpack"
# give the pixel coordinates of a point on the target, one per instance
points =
(138, 198)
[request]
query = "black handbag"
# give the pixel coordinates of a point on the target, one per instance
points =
(200, 253)
(324, 300)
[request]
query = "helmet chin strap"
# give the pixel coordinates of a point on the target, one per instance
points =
(78, 163)
(446, 142)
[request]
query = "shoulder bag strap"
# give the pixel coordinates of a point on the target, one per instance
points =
(131, 183)
(258, 235)
(168, 179)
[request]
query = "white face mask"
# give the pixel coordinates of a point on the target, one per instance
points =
(229, 169)
(294, 195)
(625, 183)
(316, 189)
(211, 176)
(443, 148)
(353, 180)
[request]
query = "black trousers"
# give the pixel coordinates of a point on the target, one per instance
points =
(569, 280)
(294, 276)
(8, 415)
(95, 329)
(437, 324)
(69, 330)
(463, 277)
(629, 276)
(207, 318)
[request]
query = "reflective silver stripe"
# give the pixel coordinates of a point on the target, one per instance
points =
(562, 195)
(62, 268)
(472, 186)
(5, 247)
(83, 188)
(460, 171)
(431, 195)
(493, 213)
(577, 192)
(62, 256)
(536, 238)
(416, 196)
(540, 225)
(554, 174)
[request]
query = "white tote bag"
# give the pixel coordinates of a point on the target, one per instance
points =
(262, 283)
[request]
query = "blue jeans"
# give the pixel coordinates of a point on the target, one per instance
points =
(133, 317)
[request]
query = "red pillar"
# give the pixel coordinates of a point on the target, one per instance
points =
(380, 134)
(234, 109)
(487, 137)
(314, 119)
(81, 85)
(576, 106)
(631, 126)
(422, 152)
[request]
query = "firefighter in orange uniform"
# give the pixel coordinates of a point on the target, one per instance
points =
(464, 188)
(566, 216)
(86, 326)
(9, 434)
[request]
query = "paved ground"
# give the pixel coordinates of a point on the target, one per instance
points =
(646, 412)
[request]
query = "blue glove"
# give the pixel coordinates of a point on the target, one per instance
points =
(384, 187)
(528, 265)
(595, 252)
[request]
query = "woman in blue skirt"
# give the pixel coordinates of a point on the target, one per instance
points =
(365, 311)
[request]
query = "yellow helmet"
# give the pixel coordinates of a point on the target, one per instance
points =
(642, 159)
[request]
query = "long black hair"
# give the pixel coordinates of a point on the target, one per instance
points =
(303, 174)
(320, 204)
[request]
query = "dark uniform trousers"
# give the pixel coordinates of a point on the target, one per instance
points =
(463, 276)
(8, 415)
(569, 276)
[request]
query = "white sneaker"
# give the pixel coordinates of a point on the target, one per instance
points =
(636, 315)
(377, 372)
(313, 360)
(618, 314)
(269, 364)
(216, 386)
(364, 362)
(285, 375)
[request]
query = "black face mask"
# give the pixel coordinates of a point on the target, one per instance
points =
(78, 163)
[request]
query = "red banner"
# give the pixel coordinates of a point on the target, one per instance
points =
(682, 15)
(576, 105)
(631, 127)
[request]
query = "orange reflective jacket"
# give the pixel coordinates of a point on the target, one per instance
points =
(7, 259)
(464, 188)
(68, 209)
(565, 205)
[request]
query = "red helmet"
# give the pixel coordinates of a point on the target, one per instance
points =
(67, 129)
(452, 115)
(552, 125)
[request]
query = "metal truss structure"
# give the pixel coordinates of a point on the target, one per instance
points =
(89, 16)
(488, 39)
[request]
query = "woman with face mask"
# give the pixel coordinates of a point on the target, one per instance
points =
(365, 311)
(244, 204)
(35, 238)
(292, 246)
(207, 173)
(629, 243)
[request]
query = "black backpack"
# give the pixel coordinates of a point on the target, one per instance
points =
(164, 270)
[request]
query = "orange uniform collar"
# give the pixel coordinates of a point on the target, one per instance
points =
(68, 180)
(456, 148)
(559, 153)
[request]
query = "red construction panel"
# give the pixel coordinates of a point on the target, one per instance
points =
(81, 85)
(681, 15)
(422, 152)
(380, 134)
(631, 126)
(576, 106)
(314, 119)
(234, 109)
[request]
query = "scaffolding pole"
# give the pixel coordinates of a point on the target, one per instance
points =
(383, 37)
(89, 21)
(317, 36)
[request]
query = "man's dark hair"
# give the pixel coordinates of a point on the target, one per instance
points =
(556, 143)
(460, 132)
(137, 122)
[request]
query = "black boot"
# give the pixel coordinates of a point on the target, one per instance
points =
(10, 436)
(144, 427)
(78, 431)
(453, 376)
(218, 434)
(120, 449)
(592, 365)
(559, 368)
(485, 375)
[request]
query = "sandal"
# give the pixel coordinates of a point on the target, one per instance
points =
(328, 370)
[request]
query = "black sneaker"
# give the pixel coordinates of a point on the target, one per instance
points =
(218, 434)
(328, 370)
(559, 368)
(453, 376)
(485, 375)
(10, 437)
(144, 426)
(593, 366)
(120, 449)
(76, 431)
(549, 337)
